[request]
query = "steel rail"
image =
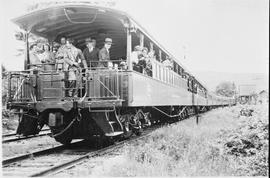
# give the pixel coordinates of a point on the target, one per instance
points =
(8, 161)
(57, 168)
(8, 140)
(61, 167)
(13, 134)
(24, 138)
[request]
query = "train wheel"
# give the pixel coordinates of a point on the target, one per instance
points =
(136, 124)
(143, 118)
(139, 132)
(125, 120)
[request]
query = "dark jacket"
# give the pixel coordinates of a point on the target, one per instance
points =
(91, 56)
(104, 54)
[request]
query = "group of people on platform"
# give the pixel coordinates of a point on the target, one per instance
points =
(69, 58)
(142, 60)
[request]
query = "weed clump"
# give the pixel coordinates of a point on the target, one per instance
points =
(224, 143)
(249, 143)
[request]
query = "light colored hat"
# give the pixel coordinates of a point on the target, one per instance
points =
(145, 48)
(108, 40)
(87, 40)
(138, 48)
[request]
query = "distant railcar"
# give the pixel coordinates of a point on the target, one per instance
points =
(117, 101)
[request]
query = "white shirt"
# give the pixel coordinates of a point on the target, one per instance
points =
(134, 57)
(90, 49)
(167, 63)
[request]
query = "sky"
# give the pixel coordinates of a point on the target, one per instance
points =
(214, 35)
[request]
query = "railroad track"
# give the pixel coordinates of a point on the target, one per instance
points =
(60, 158)
(13, 137)
(55, 160)
(27, 163)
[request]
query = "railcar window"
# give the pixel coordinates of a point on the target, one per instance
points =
(155, 69)
(171, 78)
(160, 72)
(162, 66)
(164, 74)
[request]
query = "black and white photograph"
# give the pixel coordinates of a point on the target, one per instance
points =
(134, 88)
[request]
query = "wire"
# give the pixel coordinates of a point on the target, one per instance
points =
(69, 125)
(171, 116)
(71, 21)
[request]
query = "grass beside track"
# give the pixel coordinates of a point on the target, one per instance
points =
(223, 144)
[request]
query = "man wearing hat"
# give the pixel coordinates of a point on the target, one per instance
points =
(91, 54)
(104, 53)
(60, 54)
(135, 58)
(34, 57)
(72, 58)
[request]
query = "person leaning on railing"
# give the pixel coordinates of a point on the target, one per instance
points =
(47, 57)
(35, 62)
(144, 60)
(59, 56)
(134, 57)
(149, 61)
(168, 63)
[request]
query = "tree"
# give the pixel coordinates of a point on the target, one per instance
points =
(226, 89)
(3, 70)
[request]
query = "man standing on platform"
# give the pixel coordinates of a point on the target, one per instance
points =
(91, 54)
(72, 57)
(104, 53)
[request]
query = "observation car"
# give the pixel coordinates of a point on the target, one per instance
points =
(111, 101)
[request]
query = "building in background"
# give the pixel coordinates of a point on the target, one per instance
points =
(263, 97)
(247, 94)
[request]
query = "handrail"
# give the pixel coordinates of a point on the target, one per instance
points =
(106, 87)
(108, 82)
(19, 88)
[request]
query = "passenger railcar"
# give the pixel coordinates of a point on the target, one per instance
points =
(111, 101)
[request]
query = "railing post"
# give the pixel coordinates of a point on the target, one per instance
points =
(27, 60)
(117, 85)
(9, 86)
(129, 63)
(141, 40)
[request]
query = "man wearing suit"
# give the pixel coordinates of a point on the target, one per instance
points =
(72, 57)
(90, 53)
(104, 53)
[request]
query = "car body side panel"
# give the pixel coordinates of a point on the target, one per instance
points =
(147, 91)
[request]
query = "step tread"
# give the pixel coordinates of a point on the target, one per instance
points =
(112, 122)
(114, 133)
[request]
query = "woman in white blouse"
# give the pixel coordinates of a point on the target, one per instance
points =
(48, 58)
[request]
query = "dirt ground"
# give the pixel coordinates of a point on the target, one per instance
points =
(9, 122)
(27, 146)
(9, 125)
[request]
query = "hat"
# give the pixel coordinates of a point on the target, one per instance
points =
(87, 40)
(32, 45)
(70, 40)
(145, 48)
(108, 40)
(137, 48)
